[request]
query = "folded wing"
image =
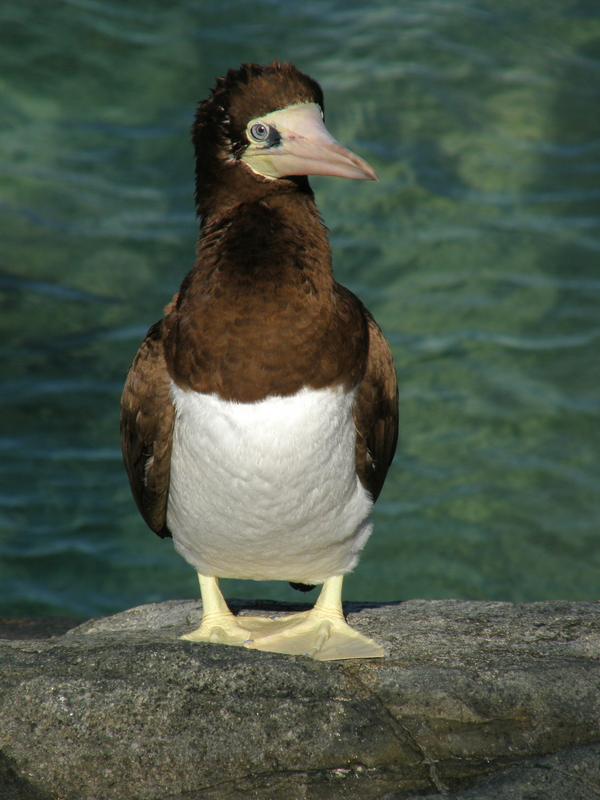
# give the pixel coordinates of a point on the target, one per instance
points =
(147, 419)
(376, 413)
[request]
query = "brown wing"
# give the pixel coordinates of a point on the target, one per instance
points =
(376, 413)
(147, 418)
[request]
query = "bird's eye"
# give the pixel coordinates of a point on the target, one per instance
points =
(260, 132)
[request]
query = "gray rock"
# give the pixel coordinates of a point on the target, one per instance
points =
(473, 700)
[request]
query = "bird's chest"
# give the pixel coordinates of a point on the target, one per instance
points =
(269, 477)
(263, 457)
(257, 336)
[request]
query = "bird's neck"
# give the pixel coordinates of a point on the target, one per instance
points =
(278, 238)
(259, 310)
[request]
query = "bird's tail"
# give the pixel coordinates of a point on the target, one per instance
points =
(302, 587)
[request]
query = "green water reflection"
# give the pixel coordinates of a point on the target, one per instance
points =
(478, 251)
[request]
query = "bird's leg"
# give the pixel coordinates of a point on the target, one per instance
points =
(218, 625)
(321, 633)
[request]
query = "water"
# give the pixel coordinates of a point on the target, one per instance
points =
(478, 252)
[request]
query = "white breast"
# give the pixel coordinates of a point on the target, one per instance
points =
(268, 490)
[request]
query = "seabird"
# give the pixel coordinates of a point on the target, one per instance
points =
(260, 415)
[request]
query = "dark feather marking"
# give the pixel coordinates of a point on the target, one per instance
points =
(302, 587)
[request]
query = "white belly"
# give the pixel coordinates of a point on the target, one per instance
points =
(268, 490)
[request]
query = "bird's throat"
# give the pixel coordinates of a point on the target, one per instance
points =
(274, 238)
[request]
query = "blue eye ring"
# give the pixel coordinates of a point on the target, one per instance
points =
(260, 132)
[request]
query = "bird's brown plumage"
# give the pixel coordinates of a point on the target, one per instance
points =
(376, 413)
(147, 419)
(260, 314)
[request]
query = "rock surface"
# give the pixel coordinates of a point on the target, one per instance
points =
(474, 701)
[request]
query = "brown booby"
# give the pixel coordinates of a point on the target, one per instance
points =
(259, 417)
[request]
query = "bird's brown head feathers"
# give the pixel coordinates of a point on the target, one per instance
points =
(219, 131)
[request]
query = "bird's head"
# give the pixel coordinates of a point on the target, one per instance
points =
(261, 128)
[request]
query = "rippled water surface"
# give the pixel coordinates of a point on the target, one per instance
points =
(478, 251)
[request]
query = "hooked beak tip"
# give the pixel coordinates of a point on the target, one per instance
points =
(365, 170)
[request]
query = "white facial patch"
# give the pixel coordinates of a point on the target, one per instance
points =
(295, 141)
(294, 117)
(296, 124)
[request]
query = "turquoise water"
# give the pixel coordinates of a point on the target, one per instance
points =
(478, 251)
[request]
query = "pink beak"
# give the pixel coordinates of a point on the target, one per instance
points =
(307, 148)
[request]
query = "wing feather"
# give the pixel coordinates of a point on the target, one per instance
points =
(376, 412)
(147, 419)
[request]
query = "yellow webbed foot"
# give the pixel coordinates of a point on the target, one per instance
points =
(316, 634)
(321, 633)
(219, 625)
(225, 628)
(219, 629)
